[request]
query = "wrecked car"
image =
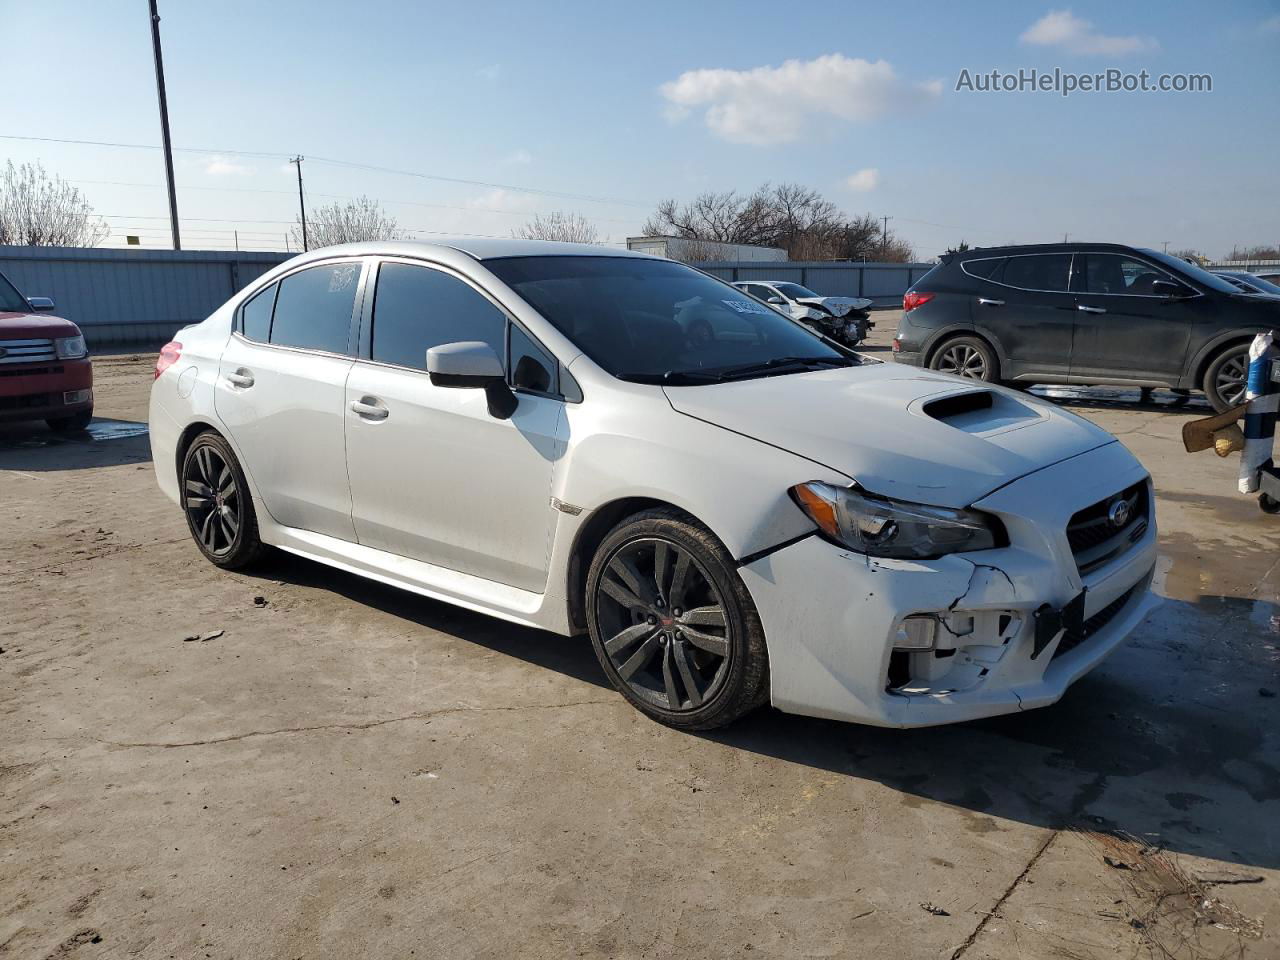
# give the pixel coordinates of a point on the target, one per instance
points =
(847, 320)
(618, 445)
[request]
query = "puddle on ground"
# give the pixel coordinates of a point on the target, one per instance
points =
(97, 431)
(1121, 397)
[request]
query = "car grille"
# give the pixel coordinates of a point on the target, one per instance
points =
(1095, 540)
(26, 351)
(1073, 638)
(27, 401)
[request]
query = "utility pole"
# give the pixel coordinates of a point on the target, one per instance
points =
(1166, 246)
(884, 237)
(164, 124)
(302, 207)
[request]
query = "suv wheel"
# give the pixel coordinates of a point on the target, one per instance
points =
(217, 504)
(966, 357)
(673, 625)
(1224, 381)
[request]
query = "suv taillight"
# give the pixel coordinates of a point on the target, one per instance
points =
(169, 355)
(911, 300)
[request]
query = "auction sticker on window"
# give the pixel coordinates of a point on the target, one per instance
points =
(746, 306)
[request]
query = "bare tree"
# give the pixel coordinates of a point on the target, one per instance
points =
(39, 210)
(355, 220)
(791, 216)
(567, 227)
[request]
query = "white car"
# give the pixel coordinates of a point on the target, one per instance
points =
(525, 429)
(847, 320)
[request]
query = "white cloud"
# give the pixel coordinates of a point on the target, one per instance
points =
(1270, 25)
(868, 178)
(521, 157)
(778, 104)
(492, 72)
(1062, 28)
(222, 167)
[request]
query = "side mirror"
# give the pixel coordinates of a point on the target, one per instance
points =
(1168, 288)
(472, 365)
(40, 304)
(777, 301)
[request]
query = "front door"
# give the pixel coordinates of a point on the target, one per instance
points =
(280, 391)
(434, 476)
(1125, 330)
(1026, 308)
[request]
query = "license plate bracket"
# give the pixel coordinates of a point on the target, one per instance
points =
(1051, 623)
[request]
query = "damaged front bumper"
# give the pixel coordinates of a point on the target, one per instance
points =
(1014, 626)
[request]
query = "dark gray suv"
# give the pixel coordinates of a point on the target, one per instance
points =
(1084, 313)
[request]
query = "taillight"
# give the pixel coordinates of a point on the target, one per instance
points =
(169, 355)
(911, 300)
(897, 345)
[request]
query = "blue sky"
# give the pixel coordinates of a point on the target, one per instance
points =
(634, 102)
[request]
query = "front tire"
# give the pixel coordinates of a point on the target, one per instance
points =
(217, 503)
(673, 625)
(72, 424)
(967, 357)
(1224, 380)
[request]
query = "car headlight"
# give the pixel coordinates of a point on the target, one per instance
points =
(893, 528)
(70, 348)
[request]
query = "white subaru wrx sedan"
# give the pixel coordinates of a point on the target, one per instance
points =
(526, 429)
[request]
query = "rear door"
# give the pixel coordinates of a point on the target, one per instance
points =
(280, 392)
(1026, 307)
(1124, 330)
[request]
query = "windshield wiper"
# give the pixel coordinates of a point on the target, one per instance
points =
(673, 378)
(781, 364)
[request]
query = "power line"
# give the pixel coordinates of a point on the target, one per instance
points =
(342, 163)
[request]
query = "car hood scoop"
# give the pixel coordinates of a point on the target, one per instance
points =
(898, 431)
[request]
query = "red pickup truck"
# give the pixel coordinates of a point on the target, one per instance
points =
(45, 371)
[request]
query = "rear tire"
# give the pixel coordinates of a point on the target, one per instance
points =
(968, 357)
(1224, 380)
(673, 625)
(217, 503)
(72, 424)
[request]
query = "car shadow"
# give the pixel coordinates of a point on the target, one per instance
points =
(1123, 398)
(1155, 743)
(32, 446)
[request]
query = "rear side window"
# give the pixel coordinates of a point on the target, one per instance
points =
(417, 308)
(255, 316)
(983, 269)
(1046, 271)
(313, 308)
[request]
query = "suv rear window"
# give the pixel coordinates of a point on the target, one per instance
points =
(1043, 271)
(983, 269)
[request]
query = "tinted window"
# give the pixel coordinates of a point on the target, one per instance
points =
(983, 269)
(1180, 268)
(1106, 273)
(10, 300)
(255, 319)
(794, 290)
(313, 308)
(641, 318)
(530, 365)
(1046, 271)
(416, 308)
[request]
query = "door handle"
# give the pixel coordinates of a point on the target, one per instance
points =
(988, 302)
(370, 408)
(240, 378)
(1083, 309)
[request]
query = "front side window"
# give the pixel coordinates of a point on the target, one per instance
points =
(531, 367)
(655, 320)
(313, 308)
(1109, 273)
(255, 316)
(1045, 271)
(11, 301)
(417, 308)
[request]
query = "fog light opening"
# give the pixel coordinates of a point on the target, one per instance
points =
(916, 634)
(76, 396)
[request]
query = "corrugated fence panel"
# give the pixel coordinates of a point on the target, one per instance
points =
(133, 297)
(885, 283)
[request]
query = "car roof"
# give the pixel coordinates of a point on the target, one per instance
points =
(976, 253)
(478, 248)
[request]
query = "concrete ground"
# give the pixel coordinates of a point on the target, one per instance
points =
(345, 770)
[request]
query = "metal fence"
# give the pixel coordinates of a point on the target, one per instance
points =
(139, 298)
(884, 283)
(132, 298)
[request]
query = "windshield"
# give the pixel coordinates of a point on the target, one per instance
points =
(793, 291)
(661, 321)
(10, 300)
(1202, 277)
(1257, 283)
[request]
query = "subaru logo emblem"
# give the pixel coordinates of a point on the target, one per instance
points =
(1118, 513)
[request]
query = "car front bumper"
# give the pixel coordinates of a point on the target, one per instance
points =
(46, 390)
(831, 615)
